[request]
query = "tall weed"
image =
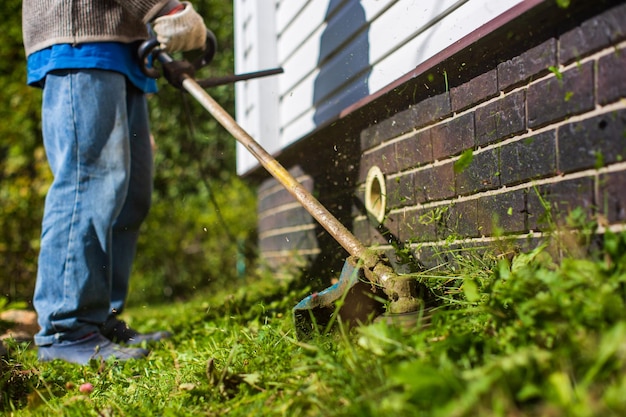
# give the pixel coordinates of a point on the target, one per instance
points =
(532, 336)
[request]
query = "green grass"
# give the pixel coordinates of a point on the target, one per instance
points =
(514, 336)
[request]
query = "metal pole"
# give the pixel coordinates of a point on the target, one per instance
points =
(337, 230)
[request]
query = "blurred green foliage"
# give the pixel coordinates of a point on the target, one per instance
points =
(24, 174)
(203, 216)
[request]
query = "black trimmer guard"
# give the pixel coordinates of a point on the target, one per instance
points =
(353, 300)
(356, 297)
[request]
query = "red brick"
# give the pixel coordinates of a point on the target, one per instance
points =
(400, 191)
(405, 260)
(368, 230)
(501, 119)
(506, 211)
(529, 65)
(305, 239)
(592, 143)
(612, 198)
(367, 161)
(611, 77)
(561, 198)
(436, 183)
(594, 34)
(384, 158)
(417, 226)
(375, 237)
(295, 216)
(396, 125)
(369, 138)
(482, 174)
(425, 112)
(361, 230)
(555, 99)
(431, 256)
(481, 88)
(453, 137)
(442, 184)
(431, 110)
(281, 196)
(422, 182)
(296, 171)
(530, 158)
(414, 151)
(382, 234)
(462, 218)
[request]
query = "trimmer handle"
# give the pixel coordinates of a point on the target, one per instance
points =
(151, 47)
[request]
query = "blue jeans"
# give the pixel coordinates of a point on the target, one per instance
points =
(97, 140)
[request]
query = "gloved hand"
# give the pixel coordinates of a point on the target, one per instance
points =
(181, 31)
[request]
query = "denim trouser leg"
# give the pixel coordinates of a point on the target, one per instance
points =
(86, 127)
(138, 199)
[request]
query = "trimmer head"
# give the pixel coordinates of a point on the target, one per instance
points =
(367, 286)
(353, 300)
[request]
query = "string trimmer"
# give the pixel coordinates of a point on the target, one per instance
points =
(367, 285)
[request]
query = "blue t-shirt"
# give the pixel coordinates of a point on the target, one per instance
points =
(111, 56)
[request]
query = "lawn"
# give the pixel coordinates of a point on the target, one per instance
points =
(511, 336)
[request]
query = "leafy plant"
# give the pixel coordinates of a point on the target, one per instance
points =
(557, 72)
(192, 155)
(464, 161)
(563, 4)
(511, 334)
(24, 175)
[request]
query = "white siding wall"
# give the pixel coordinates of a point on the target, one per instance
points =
(334, 53)
(256, 100)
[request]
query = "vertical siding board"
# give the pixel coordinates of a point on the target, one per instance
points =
(257, 102)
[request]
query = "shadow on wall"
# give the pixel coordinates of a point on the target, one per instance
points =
(333, 163)
(343, 60)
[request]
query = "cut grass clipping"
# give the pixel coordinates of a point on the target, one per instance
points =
(512, 336)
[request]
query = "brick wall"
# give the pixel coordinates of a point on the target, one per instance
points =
(545, 126)
(286, 230)
(549, 124)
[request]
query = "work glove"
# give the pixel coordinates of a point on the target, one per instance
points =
(181, 31)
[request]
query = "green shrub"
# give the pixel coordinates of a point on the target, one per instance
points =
(24, 174)
(183, 247)
(189, 243)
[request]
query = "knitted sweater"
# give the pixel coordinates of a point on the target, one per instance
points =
(50, 22)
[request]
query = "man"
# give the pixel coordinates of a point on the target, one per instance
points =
(82, 53)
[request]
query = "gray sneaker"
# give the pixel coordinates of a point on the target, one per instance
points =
(118, 331)
(93, 346)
